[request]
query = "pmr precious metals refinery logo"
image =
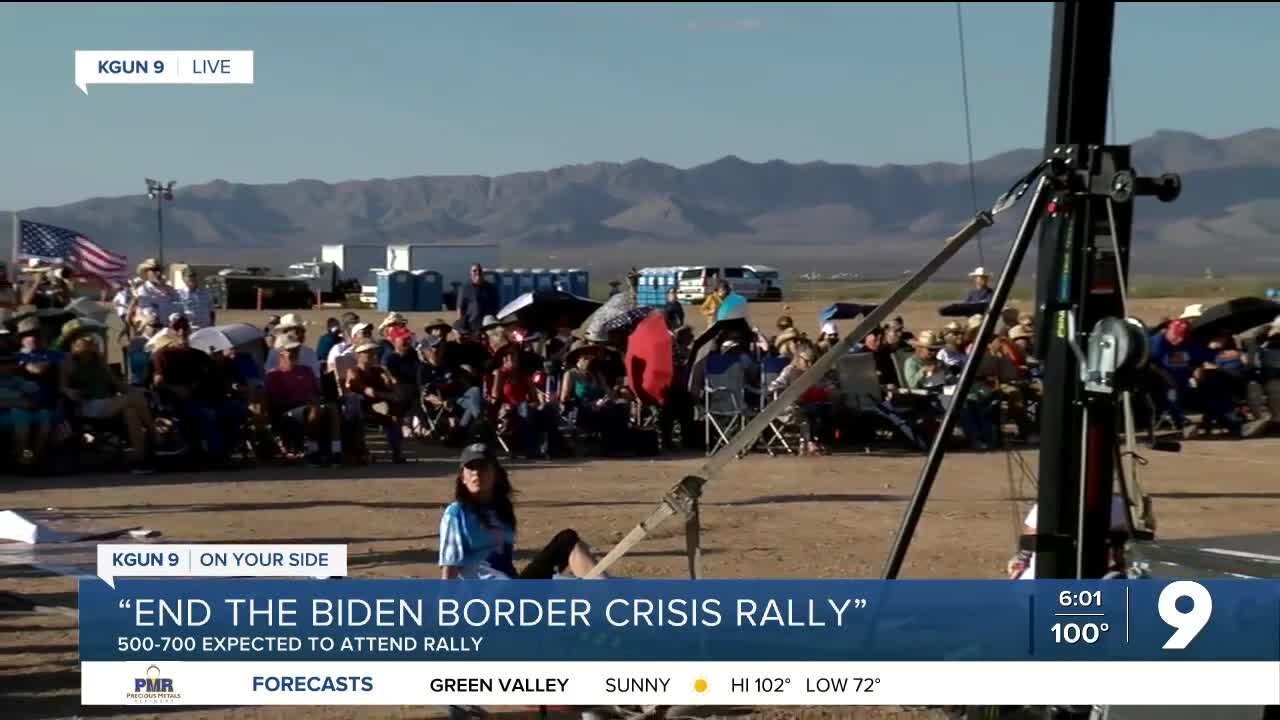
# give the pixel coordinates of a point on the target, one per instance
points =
(153, 688)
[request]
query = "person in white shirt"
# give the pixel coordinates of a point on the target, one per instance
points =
(292, 326)
(154, 292)
(195, 301)
(124, 299)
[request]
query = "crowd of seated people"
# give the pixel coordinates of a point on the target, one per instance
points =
(294, 398)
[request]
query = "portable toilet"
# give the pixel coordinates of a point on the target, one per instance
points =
(579, 282)
(428, 291)
(505, 284)
(524, 280)
(541, 279)
(491, 277)
(558, 279)
(396, 291)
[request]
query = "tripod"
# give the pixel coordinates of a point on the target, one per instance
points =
(1071, 177)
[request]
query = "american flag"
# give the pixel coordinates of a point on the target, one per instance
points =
(72, 249)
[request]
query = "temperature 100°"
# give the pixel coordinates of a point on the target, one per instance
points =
(1072, 633)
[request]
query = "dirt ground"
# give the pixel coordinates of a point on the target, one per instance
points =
(765, 517)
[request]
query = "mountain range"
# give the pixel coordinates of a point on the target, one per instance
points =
(799, 217)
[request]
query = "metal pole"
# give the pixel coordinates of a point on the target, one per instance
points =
(939, 447)
(160, 223)
(1080, 70)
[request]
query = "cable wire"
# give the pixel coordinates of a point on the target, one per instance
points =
(968, 127)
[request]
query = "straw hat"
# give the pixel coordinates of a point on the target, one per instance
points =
(289, 322)
(952, 327)
(366, 347)
(437, 324)
(394, 318)
(1192, 311)
(927, 339)
(149, 264)
(975, 322)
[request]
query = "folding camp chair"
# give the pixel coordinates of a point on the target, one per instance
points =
(775, 436)
(724, 397)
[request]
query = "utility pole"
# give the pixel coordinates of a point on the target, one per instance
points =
(161, 194)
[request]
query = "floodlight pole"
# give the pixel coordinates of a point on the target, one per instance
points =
(160, 193)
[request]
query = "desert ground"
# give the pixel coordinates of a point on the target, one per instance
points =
(823, 517)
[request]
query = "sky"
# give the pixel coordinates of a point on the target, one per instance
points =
(367, 90)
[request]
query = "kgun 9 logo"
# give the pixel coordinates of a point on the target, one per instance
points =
(1186, 624)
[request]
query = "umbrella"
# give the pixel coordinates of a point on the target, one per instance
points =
(844, 311)
(627, 320)
(613, 307)
(649, 362)
(963, 309)
(224, 337)
(88, 308)
(545, 310)
(733, 307)
(1234, 317)
(733, 326)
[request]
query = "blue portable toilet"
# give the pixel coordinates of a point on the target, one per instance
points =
(558, 279)
(579, 282)
(524, 280)
(491, 277)
(506, 285)
(428, 291)
(541, 279)
(396, 292)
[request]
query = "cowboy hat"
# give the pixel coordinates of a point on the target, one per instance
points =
(161, 340)
(1192, 311)
(975, 322)
(393, 318)
(359, 328)
(927, 339)
(1019, 331)
(149, 264)
(571, 358)
(491, 322)
(36, 265)
(29, 326)
(366, 347)
(290, 321)
(437, 324)
(980, 272)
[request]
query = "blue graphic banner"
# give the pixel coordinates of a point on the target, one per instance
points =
(654, 620)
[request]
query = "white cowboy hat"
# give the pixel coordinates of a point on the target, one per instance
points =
(830, 328)
(290, 321)
(1192, 311)
(366, 347)
(980, 272)
(36, 265)
(149, 264)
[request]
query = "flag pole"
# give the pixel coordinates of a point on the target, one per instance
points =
(13, 255)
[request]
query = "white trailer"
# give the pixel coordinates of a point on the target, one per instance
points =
(452, 260)
(356, 262)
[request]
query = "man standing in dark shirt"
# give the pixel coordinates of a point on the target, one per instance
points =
(674, 311)
(981, 291)
(476, 300)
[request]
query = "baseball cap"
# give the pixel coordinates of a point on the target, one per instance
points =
(477, 451)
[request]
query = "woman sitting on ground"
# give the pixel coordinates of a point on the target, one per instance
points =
(478, 529)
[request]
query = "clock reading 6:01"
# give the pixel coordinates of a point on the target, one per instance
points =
(1091, 598)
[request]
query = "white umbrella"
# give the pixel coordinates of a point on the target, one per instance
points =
(224, 337)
